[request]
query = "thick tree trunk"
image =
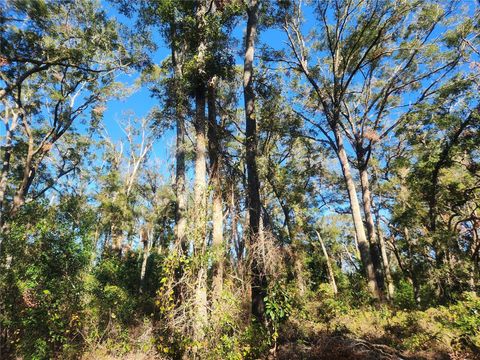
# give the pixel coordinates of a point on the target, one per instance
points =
(375, 251)
(331, 275)
(357, 216)
(298, 266)
(200, 184)
(258, 281)
(217, 202)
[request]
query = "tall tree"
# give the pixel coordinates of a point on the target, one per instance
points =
(217, 198)
(365, 75)
(178, 50)
(200, 180)
(259, 280)
(54, 75)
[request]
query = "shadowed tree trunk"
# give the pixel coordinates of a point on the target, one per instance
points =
(258, 281)
(180, 188)
(200, 183)
(7, 154)
(217, 202)
(390, 287)
(292, 228)
(386, 266)
(375, 251)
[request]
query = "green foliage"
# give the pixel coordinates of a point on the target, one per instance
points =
(89, 261)
(228, 336)
(329, 307)
(464, 316)
(44, 281)
(114, 297)
(117, 286)
(257, 340)
(278, 307)
(404, 295)
(278, 304)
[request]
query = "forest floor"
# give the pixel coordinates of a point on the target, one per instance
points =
(338, 347)
(326, 347)
(363, 336)
(316, 344)
(323, 331)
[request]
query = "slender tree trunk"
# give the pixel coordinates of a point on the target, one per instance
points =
(7, 154)
(217, 202)
(386, 263)
(235, 239)
(375, 252)
(200, 184)
(27, 179)
(180, 182)
(32, 162)
(145, 237)
(474, 273)
(19, 197)
(296, 250)
(200, 216)
(331, 275)
(357, 216)
(411, 268)
(258, 281)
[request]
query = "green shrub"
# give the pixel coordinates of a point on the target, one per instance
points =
(404, 296)
(464, 317)
(44, 281)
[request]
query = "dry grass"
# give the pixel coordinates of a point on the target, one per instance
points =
(104, 355)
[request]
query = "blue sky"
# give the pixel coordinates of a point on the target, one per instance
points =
(140, 102)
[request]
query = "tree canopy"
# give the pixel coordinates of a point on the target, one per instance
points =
(306, 184)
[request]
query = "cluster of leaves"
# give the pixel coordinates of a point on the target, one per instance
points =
(50, 249)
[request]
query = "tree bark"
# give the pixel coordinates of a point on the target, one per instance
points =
(180, 182)
(386, 263)
(145, 238)
(200, 216)
(375, 251)
(356, 216)
(200, 184)
(27, 178)
(331, 275)
(7, 154)
(411, 268)
(217, 202)
(258, 281)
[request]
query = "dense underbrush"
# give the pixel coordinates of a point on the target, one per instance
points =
(65, 304)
